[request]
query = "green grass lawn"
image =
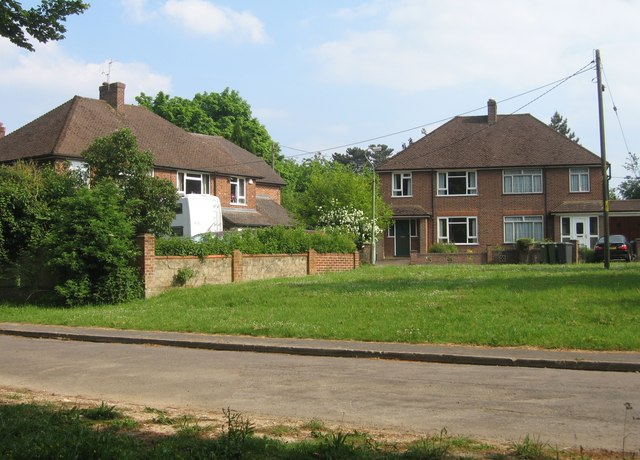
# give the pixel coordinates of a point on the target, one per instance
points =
(550, 306)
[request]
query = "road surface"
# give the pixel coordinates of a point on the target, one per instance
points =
(562, 407)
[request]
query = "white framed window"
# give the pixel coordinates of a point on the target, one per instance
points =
(238, 190)
(401, 184)
(189, 182)
(457, 183)
(522, 181)
(579, 180)
(82, 168)
(516, 227)
(458, 230)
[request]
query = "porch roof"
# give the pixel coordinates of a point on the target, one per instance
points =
(620, 207)
(409, 210)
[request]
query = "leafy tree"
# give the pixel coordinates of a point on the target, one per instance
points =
(223, 114)
(358, 157)
(92, 247)
(148, 201)
(333, 189)
(630, 187)
(27, 195)
(43, 22)
(559, 124)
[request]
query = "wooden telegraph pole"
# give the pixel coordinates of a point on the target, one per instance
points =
(605, 172)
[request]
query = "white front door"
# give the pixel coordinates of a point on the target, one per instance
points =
(580, 230)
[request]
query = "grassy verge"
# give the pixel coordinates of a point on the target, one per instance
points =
(48, 430)
(550, 306)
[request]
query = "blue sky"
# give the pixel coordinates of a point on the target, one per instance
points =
(325, 74)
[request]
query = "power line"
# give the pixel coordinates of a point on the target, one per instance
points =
(615, 110)
(554, 84)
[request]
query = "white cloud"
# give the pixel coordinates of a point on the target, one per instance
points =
(205, 18)
(423, 45)
(33, 83)
(137, 10)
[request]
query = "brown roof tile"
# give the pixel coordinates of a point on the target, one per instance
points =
(595, 206)
(267, 213)
(470, 142)
(69, 129)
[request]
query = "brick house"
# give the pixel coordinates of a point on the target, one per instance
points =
(480, 181)
(248, 188)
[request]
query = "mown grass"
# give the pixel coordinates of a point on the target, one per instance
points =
(550, 306)
(33, 431)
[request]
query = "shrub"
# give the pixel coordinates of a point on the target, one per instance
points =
(92, 248)
(268, 240)
(523, 244)
(444, 248)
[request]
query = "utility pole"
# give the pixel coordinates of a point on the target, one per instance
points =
(605, 172)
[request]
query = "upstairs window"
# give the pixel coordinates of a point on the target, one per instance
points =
(522, 181)
(401, 184)
(193, 183)
(238, 190)
(579, 180)
(457, 183)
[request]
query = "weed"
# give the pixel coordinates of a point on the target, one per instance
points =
(183, 275)
(431, 447)
(161, 417)
(235, 434)
(283, 430)
(531, 449)
(101, 412)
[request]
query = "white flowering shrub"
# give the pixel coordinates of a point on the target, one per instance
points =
(346, 219)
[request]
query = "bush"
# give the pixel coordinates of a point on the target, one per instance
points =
(444, 248)
(268, 240)
(92, 248)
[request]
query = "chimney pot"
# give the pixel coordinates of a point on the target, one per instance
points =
(113, 94)
(492, 112)
(3, 130)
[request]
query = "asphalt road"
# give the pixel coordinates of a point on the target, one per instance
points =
(565, 408)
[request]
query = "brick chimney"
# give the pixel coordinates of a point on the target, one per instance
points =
(492, 112)
(3, 130)
(113, 94)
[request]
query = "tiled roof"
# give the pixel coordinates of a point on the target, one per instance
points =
(595, 206)
(471, 142)
(267, 213)
(69, 129)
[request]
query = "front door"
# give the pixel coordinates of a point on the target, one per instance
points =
(580, 230)
(403, 240)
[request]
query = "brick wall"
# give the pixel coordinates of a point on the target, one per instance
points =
(336, 262)
(490, 205)
(271, 191)
(159, 272)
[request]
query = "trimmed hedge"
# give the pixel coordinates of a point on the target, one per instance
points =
(268, 240)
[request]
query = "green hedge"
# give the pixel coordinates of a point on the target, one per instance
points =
(268, 240)
(443, 248)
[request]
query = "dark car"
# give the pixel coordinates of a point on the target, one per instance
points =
(620, 248)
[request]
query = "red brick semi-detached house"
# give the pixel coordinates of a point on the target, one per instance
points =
(490, 180)
(249, 190)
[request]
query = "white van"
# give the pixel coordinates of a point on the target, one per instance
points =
(197, 214)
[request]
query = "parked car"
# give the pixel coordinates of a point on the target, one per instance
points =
(620, 248)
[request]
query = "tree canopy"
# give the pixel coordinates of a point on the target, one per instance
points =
(559, 124)
(358, 158)
(223, 114)
(332, 195)
(630, 187)
(43, 23)
(149, 202)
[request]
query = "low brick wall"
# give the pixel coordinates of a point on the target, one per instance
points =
(160, 273)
